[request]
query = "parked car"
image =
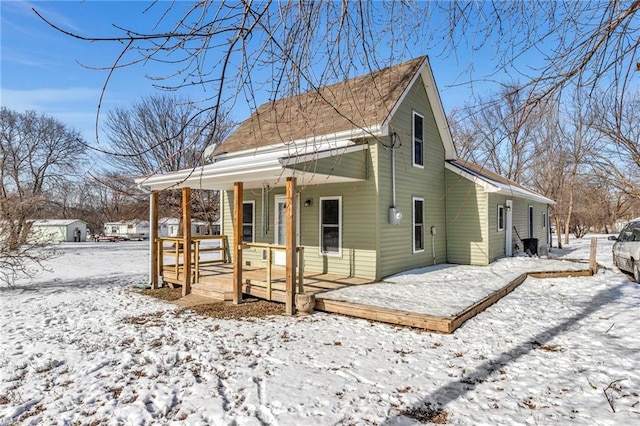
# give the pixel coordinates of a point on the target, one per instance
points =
(626, 250)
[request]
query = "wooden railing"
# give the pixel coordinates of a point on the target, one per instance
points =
(270, 248)
(176, 249)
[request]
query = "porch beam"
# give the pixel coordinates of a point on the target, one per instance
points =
(290, 243)
(186, 240)
(237, 242)
(153, 236)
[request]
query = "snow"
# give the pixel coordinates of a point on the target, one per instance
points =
(80, 345)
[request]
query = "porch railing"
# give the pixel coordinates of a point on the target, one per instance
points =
(270, 249)
(176, 250)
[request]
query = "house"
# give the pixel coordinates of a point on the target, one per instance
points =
(170, 227)
(59, 230)
(378, 188)
(127, 229)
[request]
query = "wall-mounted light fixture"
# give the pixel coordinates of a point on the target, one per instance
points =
(308, 202)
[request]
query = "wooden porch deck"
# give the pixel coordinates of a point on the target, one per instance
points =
(216, 282)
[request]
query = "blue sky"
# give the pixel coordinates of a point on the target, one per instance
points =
(46, 71)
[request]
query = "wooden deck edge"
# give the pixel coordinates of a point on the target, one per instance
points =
(561, 274)
(391, 316)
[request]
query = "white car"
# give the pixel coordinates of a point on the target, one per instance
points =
(626, 250)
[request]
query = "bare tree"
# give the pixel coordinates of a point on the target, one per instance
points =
(161, 133)
(234, 49)
(616, 122)
(37, 154)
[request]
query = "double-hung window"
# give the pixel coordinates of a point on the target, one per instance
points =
(331, 225)
(248, 221)
(418, 224)
(418, 140)
(500, 218)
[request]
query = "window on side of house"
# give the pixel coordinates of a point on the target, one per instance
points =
(544, 220)
(418, 140)
(331, 226)
(530, 227)
(418, 224)
(500, 218)
(248, 221)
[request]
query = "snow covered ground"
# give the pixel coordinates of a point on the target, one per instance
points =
(80, 346)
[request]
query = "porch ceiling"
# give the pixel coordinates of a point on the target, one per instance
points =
(270, 168)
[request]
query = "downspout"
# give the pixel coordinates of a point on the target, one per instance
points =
(393, 169)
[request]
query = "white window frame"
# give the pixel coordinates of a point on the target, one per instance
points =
(499, 212)
(413, 140)
(320, 242)
(253, 221)
(413, 224)
(544, 220)
(531, 222)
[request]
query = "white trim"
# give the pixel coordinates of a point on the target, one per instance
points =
(508, 223)
(303, 144)
(544, 220)
(339, 252)
(253, 221)
(413, 224)
(500, 208)
(435, 101)
(492, 186)
(414, 113)
(254, 170)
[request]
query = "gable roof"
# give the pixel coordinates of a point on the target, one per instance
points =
(56, 222)
(365, 102)
(493, 182)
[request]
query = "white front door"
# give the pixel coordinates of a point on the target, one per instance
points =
(279, 256)
(509, 231)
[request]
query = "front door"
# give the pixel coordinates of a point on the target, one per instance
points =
(509, 229)
(279, 256)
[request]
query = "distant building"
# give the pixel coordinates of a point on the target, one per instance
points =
(59, 230)
(128, 229)
(170, 227)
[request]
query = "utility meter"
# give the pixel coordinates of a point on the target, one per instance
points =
(394, 216)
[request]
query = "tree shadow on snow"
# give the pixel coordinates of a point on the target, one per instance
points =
(121, 280)
(432, 407)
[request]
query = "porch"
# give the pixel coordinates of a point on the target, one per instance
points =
(212, 273)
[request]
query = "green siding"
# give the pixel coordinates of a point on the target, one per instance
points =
(352, 165)
(467, 227)
(521, 222)
(395, 241)
(358, 221)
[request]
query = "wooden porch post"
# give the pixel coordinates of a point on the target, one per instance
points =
(186, 240)
(290, 242)
(237, 242)
(153, 235)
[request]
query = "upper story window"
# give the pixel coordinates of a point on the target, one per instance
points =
(418, 140)
(248, 221)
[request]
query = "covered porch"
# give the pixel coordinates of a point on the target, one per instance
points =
(216, 266)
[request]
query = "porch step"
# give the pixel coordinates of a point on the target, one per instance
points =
(213, 291)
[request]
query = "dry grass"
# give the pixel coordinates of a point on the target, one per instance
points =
(249, 308)
(164, 293)
(426, 414)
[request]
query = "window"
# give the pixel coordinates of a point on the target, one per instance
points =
(500, 218)
(418, 224)
(331, 225)
(418, 141)
(544, 220)
(530, 221)
(248, 213)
